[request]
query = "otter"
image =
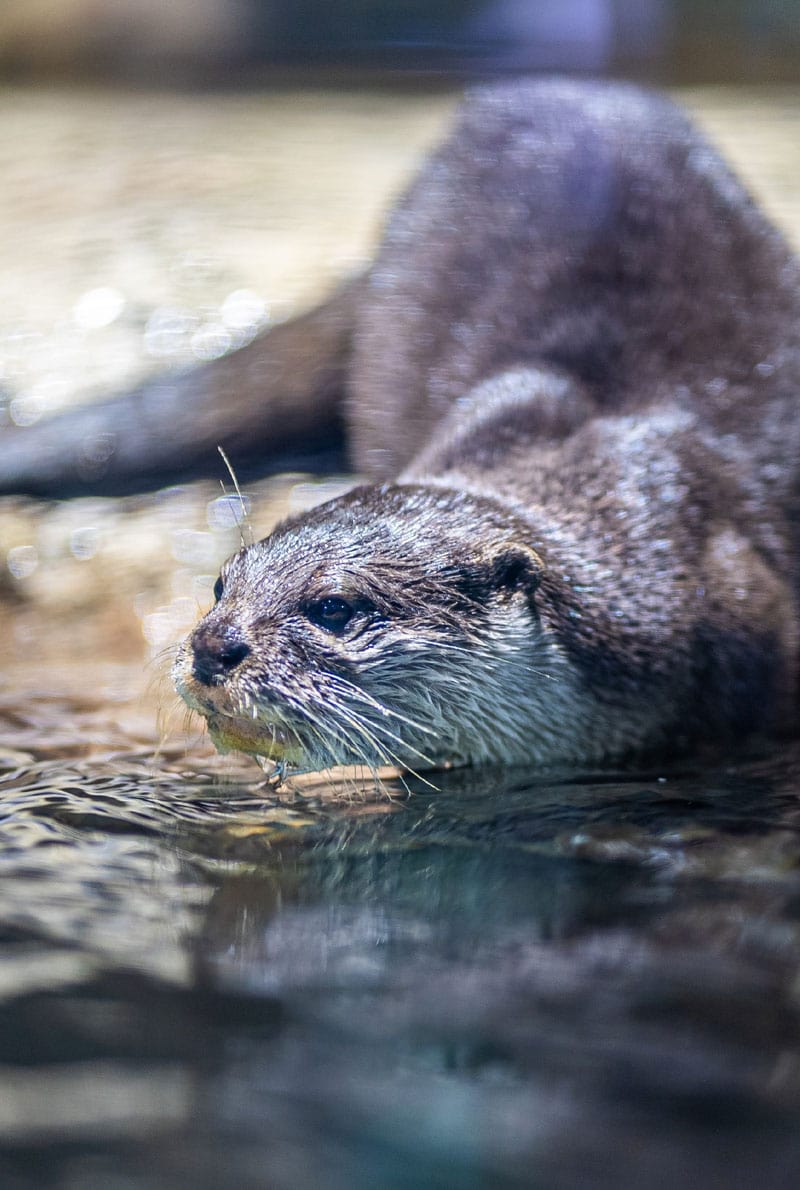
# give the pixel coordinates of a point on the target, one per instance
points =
(570, 378)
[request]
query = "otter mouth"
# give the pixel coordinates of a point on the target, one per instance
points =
(234, 730)
(270, 741)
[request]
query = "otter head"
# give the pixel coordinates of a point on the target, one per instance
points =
(393, 625)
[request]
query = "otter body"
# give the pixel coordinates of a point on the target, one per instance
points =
(572, 376)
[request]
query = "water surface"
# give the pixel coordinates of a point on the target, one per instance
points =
(582, 980)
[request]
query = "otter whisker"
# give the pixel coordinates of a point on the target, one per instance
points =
(387, 753)
(331, 744)
(362, 696)
(384, 755)
(391, 735)
(245, 518)
(362, 763)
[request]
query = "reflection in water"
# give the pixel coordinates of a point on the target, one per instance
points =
(508, 981)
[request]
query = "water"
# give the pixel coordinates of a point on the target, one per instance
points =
(514, 980)
(508, 981)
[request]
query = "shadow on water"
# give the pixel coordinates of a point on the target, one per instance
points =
(509, 981)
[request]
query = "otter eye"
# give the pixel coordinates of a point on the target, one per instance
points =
(219, 587)
(333, 614)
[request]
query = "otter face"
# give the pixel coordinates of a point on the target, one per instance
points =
(385, 627)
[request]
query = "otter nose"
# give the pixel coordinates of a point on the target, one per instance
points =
(217, 649)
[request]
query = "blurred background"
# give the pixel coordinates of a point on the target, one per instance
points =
(229, 41)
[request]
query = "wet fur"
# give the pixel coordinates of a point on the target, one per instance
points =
(572, 374)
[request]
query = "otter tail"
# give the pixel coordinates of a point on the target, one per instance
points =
(275, 404)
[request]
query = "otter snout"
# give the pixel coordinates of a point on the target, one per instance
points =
(216, 650)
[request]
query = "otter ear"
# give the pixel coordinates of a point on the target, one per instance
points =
(516, 567)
